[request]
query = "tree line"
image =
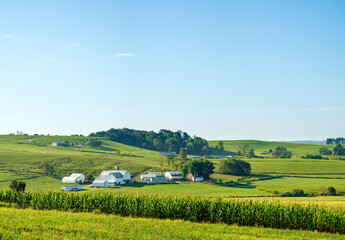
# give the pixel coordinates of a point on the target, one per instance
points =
(164, 140)
(338, 140)
(338, 150)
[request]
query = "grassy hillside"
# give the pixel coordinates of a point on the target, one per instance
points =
(33, 224)
(22, 159)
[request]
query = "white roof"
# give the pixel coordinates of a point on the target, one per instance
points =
(97, 180)
(175, 173)
(76, 175)
(105, 173)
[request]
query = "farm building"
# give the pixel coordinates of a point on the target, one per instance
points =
(191, 177)
(146, 177)
(100, 182)
(157, 180)
(74, 178)
(158, 174)
(116, 177)
(72, 188)
(173, 175)
(59, 143)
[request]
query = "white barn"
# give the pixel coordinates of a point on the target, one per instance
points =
(100, 182)
(146, 177)
(173, 175)
(117, 177)
(191, 177)
(74, 178)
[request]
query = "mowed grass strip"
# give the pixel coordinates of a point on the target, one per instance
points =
(33, 224)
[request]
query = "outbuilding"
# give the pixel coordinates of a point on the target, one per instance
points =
(72, 188)
(157, 180)
(173, 175)
(193, 178)
(146, 177)
(100, 182)
(74, 178)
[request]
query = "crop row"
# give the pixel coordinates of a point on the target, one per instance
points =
(245, 213)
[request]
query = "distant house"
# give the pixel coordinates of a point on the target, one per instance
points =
(146, 177)
(191, 177)
(100, 182)
(173, 175)
(74, 178)
(157, 180)
(116, 177)
(167, 153)
(59, 143)
(72, 188)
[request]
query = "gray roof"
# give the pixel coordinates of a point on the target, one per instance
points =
(117, 175)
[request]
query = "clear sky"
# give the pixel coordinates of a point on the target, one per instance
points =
(232, 69)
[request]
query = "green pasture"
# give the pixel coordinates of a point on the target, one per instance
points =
(34, 224)
(262, 147)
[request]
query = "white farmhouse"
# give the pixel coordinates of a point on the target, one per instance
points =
(173, 175)
(74, 178)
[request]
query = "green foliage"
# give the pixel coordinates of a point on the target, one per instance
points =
(250, 153)
(183, 153)
(331, 191)
(234, 167)
(325, 151)
(244, 213)
(18, 186)
(94, 142)
(220, 145)
(48, 170)
(339, 150)
(164, 140)
(282, 152)
(294, 193)
(309, 156)
(199, 168)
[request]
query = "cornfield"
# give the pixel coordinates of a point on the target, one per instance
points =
(244, 213)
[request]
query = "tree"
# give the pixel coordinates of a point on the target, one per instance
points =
(17, 186)
(339, 150)
(282, 152)
(183, 153)
(48, 170)
(199, 168)
(169, 160)
(250, 153)
(325, 151)
(94, 142)
(331, 191)
(244, 148)
(234, 167)
(220, 145)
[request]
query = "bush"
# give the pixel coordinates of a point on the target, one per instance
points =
(234, 167)
(331, 191)
(282, 152)
(17, 186)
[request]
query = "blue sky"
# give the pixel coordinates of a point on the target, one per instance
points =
(270, 70)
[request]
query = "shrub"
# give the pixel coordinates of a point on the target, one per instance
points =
(331, 191)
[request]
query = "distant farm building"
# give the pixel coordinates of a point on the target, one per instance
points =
(100, 182)
(158, 174)
(168, 153)
(72, 188)
(74, 178)
(173, 175)
(191, 177)
(157, 180)
(115, 177)
(59, 143)
(146, 177)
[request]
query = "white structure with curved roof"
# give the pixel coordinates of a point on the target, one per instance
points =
(74, 178)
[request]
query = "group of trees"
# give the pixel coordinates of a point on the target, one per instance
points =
(281, 152)
(338, 140)
(338, 150)
(199, 168)
(164, 140)
(234, 167)
(246, 151)
(94, 142)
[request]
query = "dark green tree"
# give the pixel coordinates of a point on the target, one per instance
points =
(282, 152)
(220, 145)
(339, 150)
(331, 191)
(325, 151)
(17, 186)
(234, 167)
(199, 168)
(250, 153)
(183, 153)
